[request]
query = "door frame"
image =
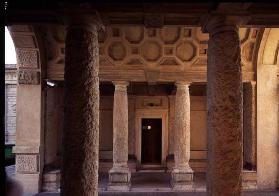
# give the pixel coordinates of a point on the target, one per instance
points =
(151, 113)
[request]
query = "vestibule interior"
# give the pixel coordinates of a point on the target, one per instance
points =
(143, 100)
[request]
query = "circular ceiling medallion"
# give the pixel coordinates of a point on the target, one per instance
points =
(117, 51)
(170, 34)
(134, 34)
(151, 51)
(185, 51)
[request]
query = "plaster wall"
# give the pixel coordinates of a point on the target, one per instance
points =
(54, 124)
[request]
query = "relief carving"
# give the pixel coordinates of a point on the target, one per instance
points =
(27, 58)
(27, 163)
(28, 77)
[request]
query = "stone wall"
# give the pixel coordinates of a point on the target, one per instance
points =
(54, 124)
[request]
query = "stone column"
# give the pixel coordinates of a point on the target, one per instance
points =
(224, 102)
(249, 125)
(182, 174)
(80, 147)
(119, 174)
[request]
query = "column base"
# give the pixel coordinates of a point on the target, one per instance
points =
(182, 179)
(119, 179)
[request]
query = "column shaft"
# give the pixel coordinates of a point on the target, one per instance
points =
(81, 113)
(120, 175)
(224, 102)
(249, 125)
(182, 174)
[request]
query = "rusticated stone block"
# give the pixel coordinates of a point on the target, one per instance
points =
(28, 77)
(27, 163)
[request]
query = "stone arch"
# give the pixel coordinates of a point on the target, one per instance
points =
(268, 110)
(30, 108)
(29, 47)
(269, 47)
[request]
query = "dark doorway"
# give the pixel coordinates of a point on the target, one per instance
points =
(151, 137)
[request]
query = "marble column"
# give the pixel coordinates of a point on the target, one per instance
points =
(224, 102)
(119, 174)
(249, 125)
(182, 174)
(80, 149)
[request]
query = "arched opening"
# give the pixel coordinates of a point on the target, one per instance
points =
(10, 99)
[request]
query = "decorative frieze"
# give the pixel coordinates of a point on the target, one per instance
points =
(28, 77)
(27, 163)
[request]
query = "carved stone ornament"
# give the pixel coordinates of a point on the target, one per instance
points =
(28, 77)
(27, 163)
(27, 58)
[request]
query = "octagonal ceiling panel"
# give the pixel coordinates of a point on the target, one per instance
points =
(151, 50)
(170, 35)
(117, 51)
(185, 51)
(134, 34)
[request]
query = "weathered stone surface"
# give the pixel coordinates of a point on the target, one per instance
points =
(249, 126)
(81, 112)
(120, 175)
(182, 174)
(224, 102)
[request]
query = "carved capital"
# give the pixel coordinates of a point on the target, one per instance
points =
(82, 19)
(182, 84)
(120, 85)
(215, 23)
